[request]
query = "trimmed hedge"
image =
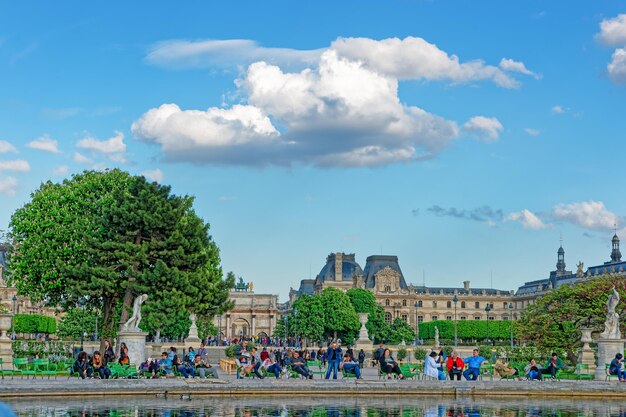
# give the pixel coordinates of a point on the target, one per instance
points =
(467, 329)
(33, 323)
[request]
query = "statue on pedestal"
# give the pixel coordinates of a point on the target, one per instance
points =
(611, 325)
(436, 337)
(132, 325)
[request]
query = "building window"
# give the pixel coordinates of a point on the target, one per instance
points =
(419, 303)
(420, 319)
(449, 304)
(477, 318)
(477, 304)
(462, 304)
(491, 318)
(449, 318)
(387, 302)
(505, 318)
(388, 317)
(405, 317)
(434, 304)
(434, 318)
(463, 318)
(387, 288)
(403, 303)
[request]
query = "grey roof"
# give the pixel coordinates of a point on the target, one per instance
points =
(375, 263)
(460, 291)
(307, 286)
(349, 268)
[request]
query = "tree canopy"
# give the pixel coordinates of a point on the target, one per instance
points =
(364, 301)
(109, 236)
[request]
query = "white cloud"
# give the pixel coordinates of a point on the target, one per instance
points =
(617, 67)
(414, 58)
(6, 147)
(114, 148)
(486, 129)
(588, 214)
(225, 53)
(62, 113)
(613, 31)
(44, 143)
(527, 219)
(532, 132)
(558, 110)
(341, 114)
(79, 158)
(61, 170)
(154, 175)
(17, 165)
(8, 186)
(517, 66)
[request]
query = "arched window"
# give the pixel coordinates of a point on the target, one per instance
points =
(387, 288)
(403, 303)
(462, 304)
(434, 304)
(388, 317)
(449, 304)
(387, 302)
(419, 303)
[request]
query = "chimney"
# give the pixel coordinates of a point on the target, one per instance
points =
(466, 285)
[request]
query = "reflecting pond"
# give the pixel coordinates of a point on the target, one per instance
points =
(384, 406)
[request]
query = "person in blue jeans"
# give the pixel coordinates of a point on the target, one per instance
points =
(473, 366)
(333, 354)
(350, 366)
(617, 367)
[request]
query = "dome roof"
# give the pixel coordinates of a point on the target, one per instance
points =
(349, 268)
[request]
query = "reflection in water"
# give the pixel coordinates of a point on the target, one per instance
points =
(384, 406)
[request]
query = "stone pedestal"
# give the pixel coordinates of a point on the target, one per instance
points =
(136, 342)
(364, 338)
(6, 345)
(607, 349)
(587, 354)
(193, 338)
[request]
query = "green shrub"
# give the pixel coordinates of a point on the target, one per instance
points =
(467, 329)
(420, 354)
(402, 354)
(52, 350)
(33, 323)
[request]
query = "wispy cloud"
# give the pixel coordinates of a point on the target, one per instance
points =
(44, 143)
(154, 175)
(6, 147)
(61, 171)
(61, 113)
(113, 148)
(479, 214)
(485, 129)
(79, 158)
(17, 165)
(528, 220)
(8, 186)
(558, 109)
(532, 132)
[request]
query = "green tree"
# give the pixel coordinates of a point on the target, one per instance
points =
(340, 318)
(75, 320)
(364, 301)
(309, 322)
(400, 331)
(108, 236)
(554, 319)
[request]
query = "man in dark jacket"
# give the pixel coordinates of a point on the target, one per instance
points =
(333, 355)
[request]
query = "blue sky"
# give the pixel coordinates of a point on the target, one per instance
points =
(464, 137)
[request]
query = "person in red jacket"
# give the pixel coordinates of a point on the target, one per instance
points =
(455, 366)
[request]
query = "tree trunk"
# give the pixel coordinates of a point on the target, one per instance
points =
(128, 299)
(108, 310)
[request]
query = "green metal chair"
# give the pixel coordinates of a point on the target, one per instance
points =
(410, 371)
(22, 367)
(43, 367)
(317, 368)
(3, 372)
(486, 371)
(609, 376)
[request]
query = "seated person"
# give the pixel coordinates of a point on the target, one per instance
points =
(553, 365)
(299, 365)
(348, 365)
(81, 365)
(184, 368)
(190, 355)
(533, 371)
(150, 367)
(388, 365)
(256, 363)
(98, 366)
(166, 365)
(243, 359)
(271, 366)
(124, 359)
(473, 363)
(505, 369)
(432, 367)
(455, 366)
(616, 367)
(264, 354)
(203, 370)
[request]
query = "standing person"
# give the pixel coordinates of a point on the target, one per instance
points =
(202, 352)
(432, 368)
(473, 363)
(109, 354)
(333, 354)
(320, 356)
(553, 365)
(350, 352)
(124, 359)
(455, 366)
(361, 358)
(617, 367)
(379, 352)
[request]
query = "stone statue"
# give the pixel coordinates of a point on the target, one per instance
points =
(611, 326)
(436, 337)
(193, 318)
(251, 287)
(132, 325)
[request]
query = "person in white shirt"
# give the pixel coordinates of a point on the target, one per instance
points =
(432, 367)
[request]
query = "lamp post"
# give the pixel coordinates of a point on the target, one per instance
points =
(455, 300)
(295, 315)
(14, 304)
(487, 310)
(417, 325)
(219, 329)
(287, 330)
(511, 321)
